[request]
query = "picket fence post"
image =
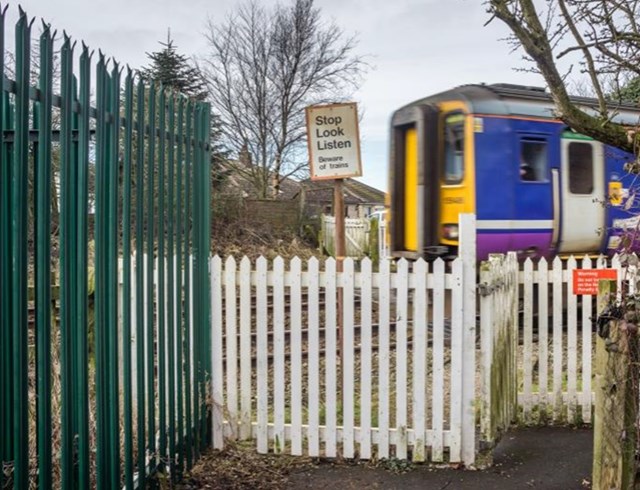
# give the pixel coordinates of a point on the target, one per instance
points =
(527, 339)
(366, 363)
(262, 347)
(467, 253)
(296, 356)
(246, 405)
(557, 338)
(457, 355)
(313, 433)
(383, 359)
(278, 355)
(330, 299)
(437, 396)
(401, 357)
(348, 369)
(217, 353)
(420, 360)
(231, 341)
(543, 335)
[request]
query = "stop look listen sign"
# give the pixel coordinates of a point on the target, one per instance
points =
(334, 141)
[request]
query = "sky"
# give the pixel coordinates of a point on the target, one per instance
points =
(415, 48)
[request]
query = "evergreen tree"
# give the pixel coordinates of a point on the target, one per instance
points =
(176, 71)
(629, 93)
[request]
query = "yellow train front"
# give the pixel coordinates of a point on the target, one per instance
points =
(535, 186)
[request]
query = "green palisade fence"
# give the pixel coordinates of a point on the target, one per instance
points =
(104, 279)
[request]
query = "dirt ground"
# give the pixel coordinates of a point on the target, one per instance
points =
(544, 458)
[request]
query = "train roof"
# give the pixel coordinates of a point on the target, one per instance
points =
(521, 100)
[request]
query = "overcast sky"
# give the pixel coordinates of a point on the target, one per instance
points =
(416, 47)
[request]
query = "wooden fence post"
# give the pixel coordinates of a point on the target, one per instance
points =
(616, 403)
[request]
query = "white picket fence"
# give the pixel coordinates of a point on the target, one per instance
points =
(557, 339)
(357, 235)
(398, 377)
(388, 382)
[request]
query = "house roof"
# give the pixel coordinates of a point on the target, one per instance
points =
(355, 192)
(240, 182)
(320, 192)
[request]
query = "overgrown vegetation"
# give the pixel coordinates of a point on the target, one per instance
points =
(234, 234)
(239, 466)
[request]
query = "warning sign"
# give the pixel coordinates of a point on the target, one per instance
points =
(585, 281)
(334, 141)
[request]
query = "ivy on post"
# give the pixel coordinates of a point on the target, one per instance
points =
(616, 408)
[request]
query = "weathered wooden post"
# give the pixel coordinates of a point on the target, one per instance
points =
(616, 386)
(333, 140)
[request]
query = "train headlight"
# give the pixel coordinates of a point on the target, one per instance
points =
(450, 231)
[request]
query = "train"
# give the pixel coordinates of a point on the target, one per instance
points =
(535, 186)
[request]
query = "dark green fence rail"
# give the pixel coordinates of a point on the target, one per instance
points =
(104, 213)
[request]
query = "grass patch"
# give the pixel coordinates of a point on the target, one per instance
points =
(239, 466)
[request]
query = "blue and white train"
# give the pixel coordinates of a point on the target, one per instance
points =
(497, 151)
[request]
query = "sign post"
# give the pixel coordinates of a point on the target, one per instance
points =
(334, 154)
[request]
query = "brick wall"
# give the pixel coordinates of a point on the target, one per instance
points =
(279, 214)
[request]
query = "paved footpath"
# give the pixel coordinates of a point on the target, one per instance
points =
(542, 458)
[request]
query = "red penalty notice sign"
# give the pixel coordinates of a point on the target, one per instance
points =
(585, 281)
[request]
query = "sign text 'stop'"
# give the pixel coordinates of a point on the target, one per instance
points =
(334, 141)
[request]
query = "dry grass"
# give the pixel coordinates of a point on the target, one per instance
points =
(56, 411)
(239, 466)
(239, 239)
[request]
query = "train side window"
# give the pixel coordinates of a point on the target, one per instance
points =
(580, 168)
(533, 160)
(454, 149)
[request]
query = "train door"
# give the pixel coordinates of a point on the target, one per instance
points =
(581, 193)
(415, 181)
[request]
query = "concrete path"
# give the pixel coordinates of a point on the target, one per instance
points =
(542, 458)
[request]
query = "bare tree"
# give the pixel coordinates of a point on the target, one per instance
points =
(602, 36)
(263, 68)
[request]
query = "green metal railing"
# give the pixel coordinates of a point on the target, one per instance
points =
(106, 187)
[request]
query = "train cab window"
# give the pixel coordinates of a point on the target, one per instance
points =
(533, 160)
(454, 149)
(580, 168)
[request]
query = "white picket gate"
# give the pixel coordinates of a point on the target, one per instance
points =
(394, 380)
(557, 340)
(498, 292)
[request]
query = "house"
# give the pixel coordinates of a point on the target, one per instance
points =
(360, 199)
(296, 200)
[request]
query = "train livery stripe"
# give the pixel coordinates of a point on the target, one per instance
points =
(543, 224)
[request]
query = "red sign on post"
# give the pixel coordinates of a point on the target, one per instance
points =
(585, 281)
